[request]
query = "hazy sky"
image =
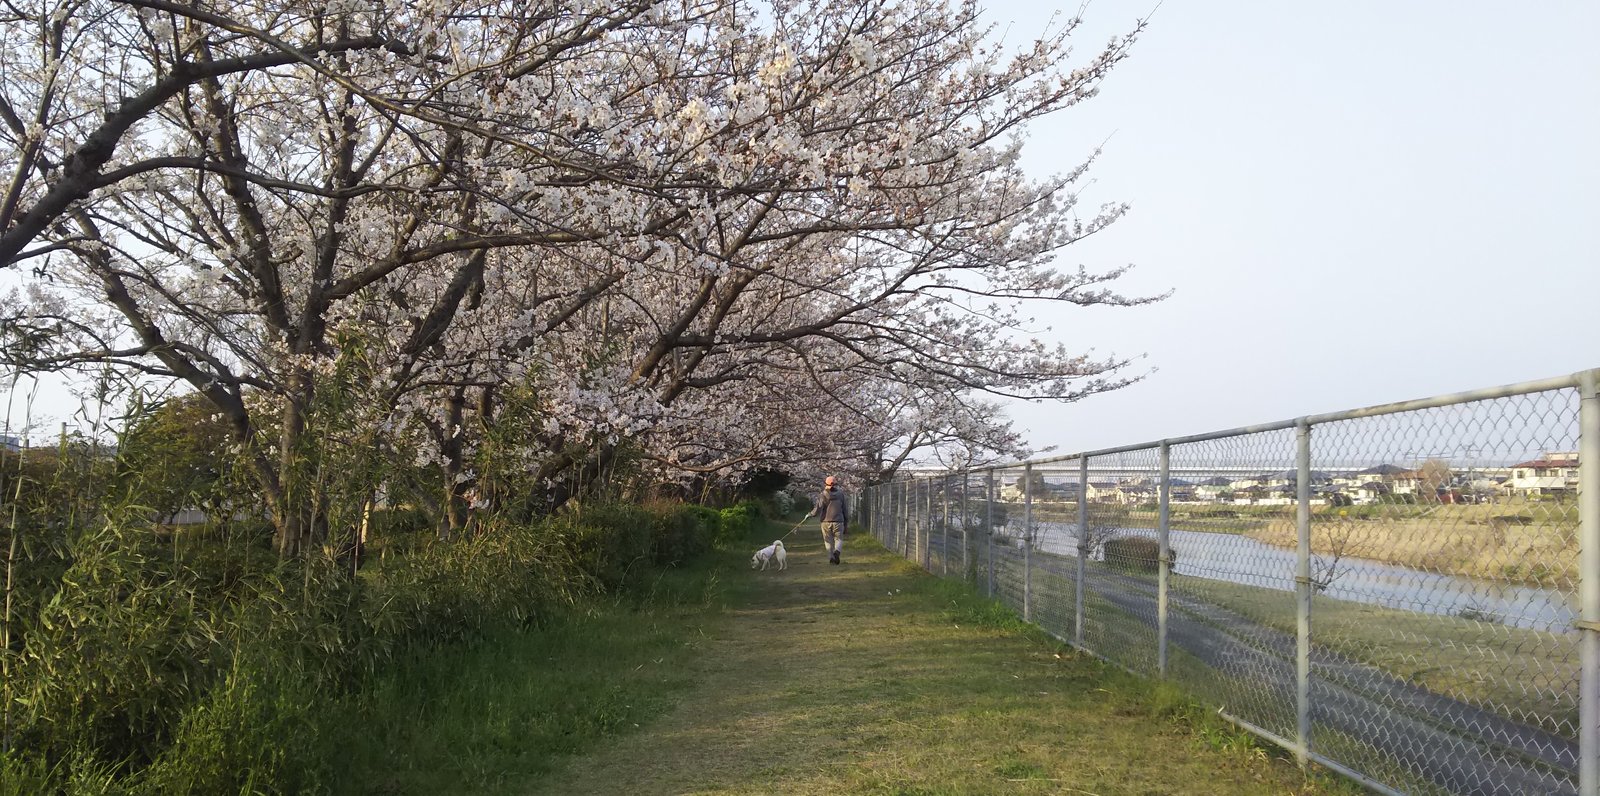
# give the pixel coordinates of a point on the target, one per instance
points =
(1355, 203)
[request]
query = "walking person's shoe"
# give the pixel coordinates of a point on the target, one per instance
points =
(834, 558)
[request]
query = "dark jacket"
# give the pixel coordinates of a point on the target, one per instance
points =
(832, 506)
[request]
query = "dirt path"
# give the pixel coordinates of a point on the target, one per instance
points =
(860, 679)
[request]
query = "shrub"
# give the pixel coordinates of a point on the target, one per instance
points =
(734, 525)
(195, 661)
(680, 533)
(608, 542)
(1140, 553)
(757, 509)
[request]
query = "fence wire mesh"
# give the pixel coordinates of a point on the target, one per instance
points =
(1397, 593)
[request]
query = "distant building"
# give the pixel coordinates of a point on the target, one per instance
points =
(1553, 473)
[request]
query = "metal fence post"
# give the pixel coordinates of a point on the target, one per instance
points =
(905, 519)
(867, 507)
(892, 507)
(917, 521)
(1083, 549)
(899, 498)
(966, 530)
(922, 521)
(944, 521)
(1027, 543)
(1589, 583)
(927, 529)
(1302, 579)
(988, 524)
(911, 519)
(871, 508)
(881, 507)
(885, 493)
(879, 518)
(1164, 558)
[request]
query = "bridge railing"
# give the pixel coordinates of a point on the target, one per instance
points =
(1407, 593)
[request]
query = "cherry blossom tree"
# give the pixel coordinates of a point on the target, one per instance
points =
(715, 235)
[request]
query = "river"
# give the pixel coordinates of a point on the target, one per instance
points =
(1240, 559)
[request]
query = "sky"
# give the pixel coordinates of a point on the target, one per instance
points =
(1353, 202)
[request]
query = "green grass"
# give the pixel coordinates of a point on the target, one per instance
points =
(1521, 674)
(495, 716)
(866, 678)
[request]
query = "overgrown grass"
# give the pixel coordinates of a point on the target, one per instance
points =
(492, 716)
(1518, 541)
(141, 666)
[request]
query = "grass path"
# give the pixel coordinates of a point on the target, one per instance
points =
(873, 678)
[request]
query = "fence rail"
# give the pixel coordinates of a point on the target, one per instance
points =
(1407, 593)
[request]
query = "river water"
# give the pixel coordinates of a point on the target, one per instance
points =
(1240, 559)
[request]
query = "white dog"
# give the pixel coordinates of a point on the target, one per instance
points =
(768, 554)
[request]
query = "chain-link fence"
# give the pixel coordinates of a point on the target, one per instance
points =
(1409, 593)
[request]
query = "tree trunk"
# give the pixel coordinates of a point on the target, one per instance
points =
(298, 518)
(453, 446)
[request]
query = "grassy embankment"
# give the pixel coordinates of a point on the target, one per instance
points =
(1528, 676)
(1534, 543)
(871, 677)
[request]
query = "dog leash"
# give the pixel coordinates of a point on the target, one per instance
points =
(795, 528)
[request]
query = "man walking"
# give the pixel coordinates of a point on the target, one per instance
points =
(833, 510)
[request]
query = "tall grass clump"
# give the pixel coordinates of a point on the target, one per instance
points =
(144, 658)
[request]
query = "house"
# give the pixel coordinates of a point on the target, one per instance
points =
(1245, 495)
(1181, 490)
(1406, 482)
(1104, 492)
(1370, 492)
(1553, 473)
(1137, 494)
(10, 443)
(1382, 472)
(1212, 489)
(1046, 493)
(1259, 495)
(1289, 478)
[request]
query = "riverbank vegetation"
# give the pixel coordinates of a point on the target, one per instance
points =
(1515, 540)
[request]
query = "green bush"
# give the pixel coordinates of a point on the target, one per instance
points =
(681, 533)
(1136, 552)
(735, 525)
(193, 670)
(195, 661)
(710, 519)
(758, 510)
(609, 543)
